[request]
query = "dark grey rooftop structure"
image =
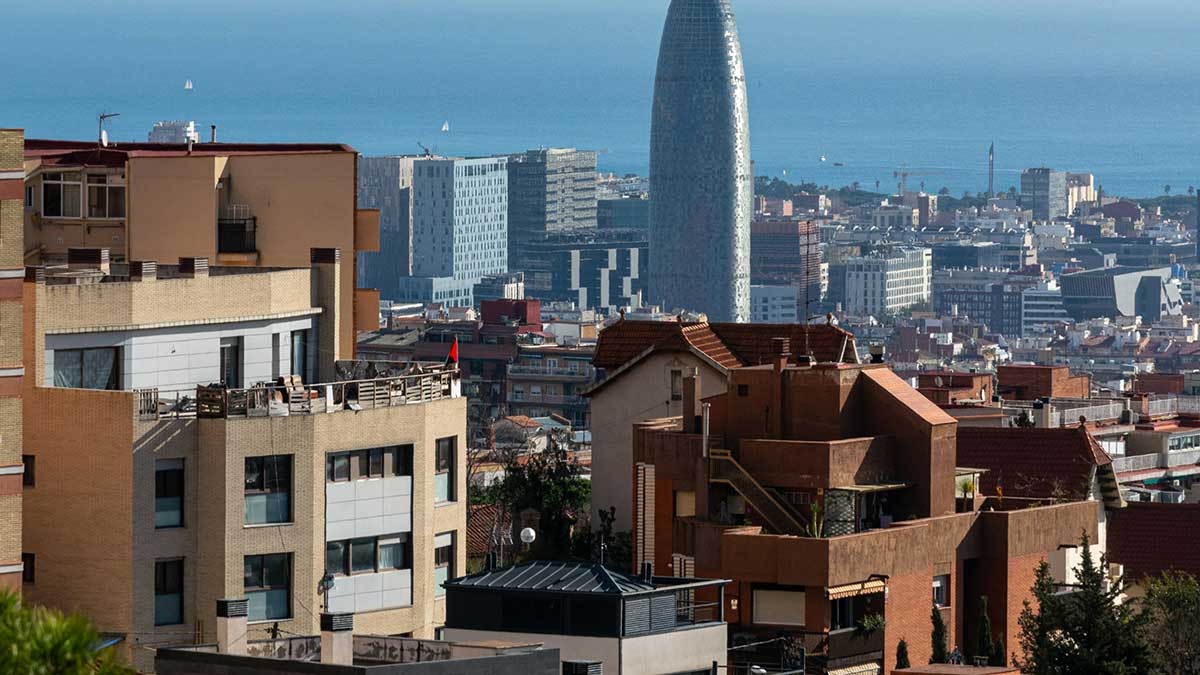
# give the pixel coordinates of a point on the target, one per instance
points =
(701, 179)
(1121, 291)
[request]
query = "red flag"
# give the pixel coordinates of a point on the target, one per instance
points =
(452, 357)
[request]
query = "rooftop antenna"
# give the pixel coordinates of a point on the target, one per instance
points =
(101, 136)
(424, 149)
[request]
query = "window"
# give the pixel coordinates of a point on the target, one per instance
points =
(362, 555)
(368, 555)
(87, 368)
(443, 562)
(336, 558)
(777, 607)
(337, 468)
(29, 196)
(370, 463)
(168, 592)
(402, 460)
(443, 481)
(941, 590)
(676, 385)
(168, 493)
(743, 390)
(62, 195)
(29, 478)
(106, 196)
(841, 614)
(268, 586)
(28, 568)
(300, 354)
(231, 361)
(395, 553)
(268, 490)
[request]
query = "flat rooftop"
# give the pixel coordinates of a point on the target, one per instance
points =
(43, 148)
(1116, 271)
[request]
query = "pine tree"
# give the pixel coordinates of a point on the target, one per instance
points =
(902, 655)
(939, 654)
(983, 645)
(1086, 632)
(1172, 613)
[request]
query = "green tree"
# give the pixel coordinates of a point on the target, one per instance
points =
(39, 641)
(998, 657)
(1024, 421)
(902, 655)
(1172, 613)
(939, 654)
(1086, 632)
(983, 644)
(548, 482)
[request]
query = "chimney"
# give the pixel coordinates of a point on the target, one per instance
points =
(213, 134)
(231, 627)
(337, 639)
(878, 353)
(189, 144)
(691, 402)
(193, 268)
(781, 352)
(143, 270)
(88, 259)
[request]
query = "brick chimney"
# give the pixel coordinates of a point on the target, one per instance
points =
(691, 402)
(337, 639)
(231, 626)
(781, 353)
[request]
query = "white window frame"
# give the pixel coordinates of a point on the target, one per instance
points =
(108, 182)
(63, 183)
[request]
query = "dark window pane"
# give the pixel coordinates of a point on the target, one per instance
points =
(376, 459)
(335, 557)
(362, 555)
(254, 473)
(403, 460)
(276, 571)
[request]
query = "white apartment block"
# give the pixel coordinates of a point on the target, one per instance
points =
(884, 284)
(460, 228)
(774, 304)
(1042, 309)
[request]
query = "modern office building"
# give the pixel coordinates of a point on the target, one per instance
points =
(888, 282)
(1042, 309)
(1044, 191)
(788, 252)
(601, 270)
(701, 177)
(460, 228)
(624, 625)
(549, 191)
(835, 494)
(235, 204)
(227, 470)
(176, 132)
(624, 213)
(966, 255)
(385, 183)
(16, 469)
(775, 304)
(1121, 292)
(506, 286)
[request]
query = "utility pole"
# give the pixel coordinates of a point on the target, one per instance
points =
(992, 171)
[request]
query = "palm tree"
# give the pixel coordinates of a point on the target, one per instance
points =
(39, 640)
(1191, 190)
(1167, 190)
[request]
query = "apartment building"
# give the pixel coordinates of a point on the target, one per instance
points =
(228, 454)
(551, 190)
(775, 304)
(15, 469)
(232, 203)
(549, 379)
(385, 183)
(886, 283)
(833, 496)
(1044, 191)
(460, 228)
(787, 252)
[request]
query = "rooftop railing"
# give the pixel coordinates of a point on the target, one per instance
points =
(280, 400)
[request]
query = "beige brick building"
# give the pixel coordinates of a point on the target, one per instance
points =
(180, 462)
(12, 249)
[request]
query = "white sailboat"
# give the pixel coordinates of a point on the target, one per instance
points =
(446, 127)
(187, 86)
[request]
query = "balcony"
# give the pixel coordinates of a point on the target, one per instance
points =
(852, 647)
(236, 230)
(282, 400)
(1175, 461)
(546, 399)
(584, 373)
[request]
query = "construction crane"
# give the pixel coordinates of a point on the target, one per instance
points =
(903, 173)
(424, 149)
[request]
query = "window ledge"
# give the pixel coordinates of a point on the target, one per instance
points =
(256, 526)
(159, 528)
(438, 505)
(262, 622)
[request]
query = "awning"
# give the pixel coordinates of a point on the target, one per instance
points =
(857, 588)
(868, 489)
(861, 669)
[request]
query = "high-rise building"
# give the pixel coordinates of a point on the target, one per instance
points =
(228, 471)
(602, 270)
(788, 252)
(16, 470)
(701, 178)
(460, 228)
(623, 213)
(385, 183)
(1081, 188)
(1044, 191)
(774, 304)
(549, 191)
(889, 282)
(174, 131)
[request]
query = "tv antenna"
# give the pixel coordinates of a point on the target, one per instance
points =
(424, 149)
(100, 127)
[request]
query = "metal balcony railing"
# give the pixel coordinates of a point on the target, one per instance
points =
(237, 230)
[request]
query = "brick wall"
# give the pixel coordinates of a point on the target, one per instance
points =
(12, 254)
(907, 613)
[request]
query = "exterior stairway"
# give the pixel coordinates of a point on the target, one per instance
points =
(723, 469)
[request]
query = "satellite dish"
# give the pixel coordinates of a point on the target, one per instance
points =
(104, 138)
(940, 382)
(528, 536)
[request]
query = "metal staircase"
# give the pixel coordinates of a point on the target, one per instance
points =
(724, 469)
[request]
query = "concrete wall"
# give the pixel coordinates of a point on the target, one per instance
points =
(641, 393)
(680, 651)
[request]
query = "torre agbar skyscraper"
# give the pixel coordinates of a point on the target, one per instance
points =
(701, 180)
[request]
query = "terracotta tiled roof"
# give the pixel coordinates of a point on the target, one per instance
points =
(486, 528)
(728, 344)
(1149, 539)
(1033, 463)
(752, 342)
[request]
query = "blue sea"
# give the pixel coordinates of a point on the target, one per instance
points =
(1108, 88)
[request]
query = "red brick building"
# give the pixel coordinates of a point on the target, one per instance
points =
(1029, 383)
(832, 495)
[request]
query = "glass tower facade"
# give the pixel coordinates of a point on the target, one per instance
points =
(701, 179)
